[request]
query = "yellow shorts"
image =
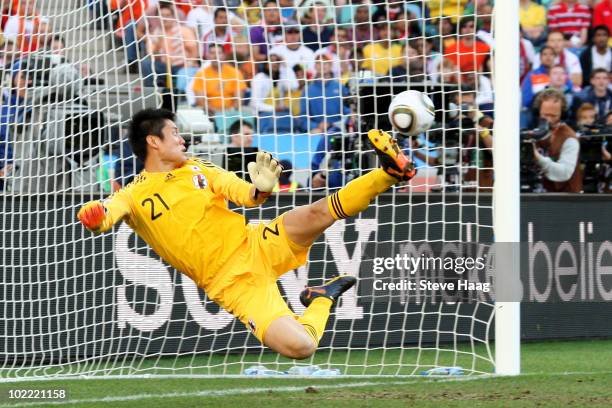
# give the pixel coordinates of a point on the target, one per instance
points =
(251, 293)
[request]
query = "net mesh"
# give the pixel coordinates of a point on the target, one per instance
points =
(310, 80)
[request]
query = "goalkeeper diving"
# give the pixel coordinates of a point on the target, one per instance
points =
(178, 206)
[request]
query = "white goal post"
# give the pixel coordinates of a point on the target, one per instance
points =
(74, 305)
(506, 194)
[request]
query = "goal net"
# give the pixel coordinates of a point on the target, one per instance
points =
(308, 79)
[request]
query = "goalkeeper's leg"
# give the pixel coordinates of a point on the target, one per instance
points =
(303, 225)
(299, 337)
(306, 223)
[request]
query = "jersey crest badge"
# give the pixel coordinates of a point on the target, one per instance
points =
(195, 168)
(199, 180)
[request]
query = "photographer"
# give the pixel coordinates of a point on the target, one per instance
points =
(328, 161)
(465, 142)
(556, 155)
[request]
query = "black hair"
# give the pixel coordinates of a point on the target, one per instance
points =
(219, 10)
(237, 126)
(379, 25)
(465, 20)
(601, 27)
(144, 123)
(166, 4)
(57, 38)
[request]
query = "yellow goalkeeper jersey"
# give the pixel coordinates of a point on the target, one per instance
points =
(183, 215)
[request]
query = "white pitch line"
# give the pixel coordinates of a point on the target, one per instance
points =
(129, 377)
(241, 391)
(223, 393)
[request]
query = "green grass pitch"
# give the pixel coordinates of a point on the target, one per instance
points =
(555, 374)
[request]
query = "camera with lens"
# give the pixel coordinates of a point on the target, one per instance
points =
(463, 121)
(461, 117)
(51, 79)
(593, 139)
(344, 148)
(37, 68)
(531, 180)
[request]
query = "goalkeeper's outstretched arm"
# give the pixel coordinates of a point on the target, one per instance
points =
(100, 216)
(264, 173)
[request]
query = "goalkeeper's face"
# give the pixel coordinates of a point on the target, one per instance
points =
(171, 147)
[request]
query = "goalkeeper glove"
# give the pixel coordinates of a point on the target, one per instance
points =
(92, 215)
(265, 172)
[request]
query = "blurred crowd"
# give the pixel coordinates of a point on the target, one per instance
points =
(288, 67)
(566, 65)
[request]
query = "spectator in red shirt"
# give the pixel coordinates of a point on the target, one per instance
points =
(572, 18)
(221, 33)
(26, 26)
(602, 15)
(129, 13)
(468, 53)
(184, 6)
(6, 10)
(565, 57)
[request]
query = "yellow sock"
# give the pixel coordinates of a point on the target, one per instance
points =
(315, 317)
(356, 196)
